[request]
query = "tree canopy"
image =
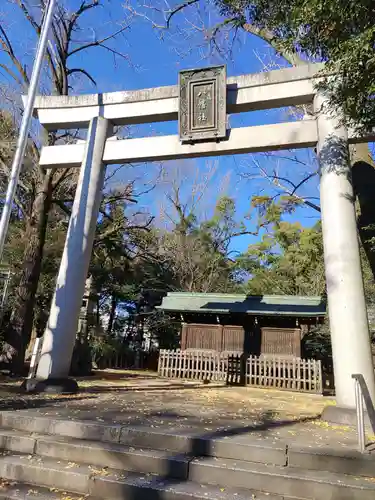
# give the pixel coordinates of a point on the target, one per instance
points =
(338, 32)
(288, 258)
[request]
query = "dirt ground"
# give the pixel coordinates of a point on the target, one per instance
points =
(142, 399)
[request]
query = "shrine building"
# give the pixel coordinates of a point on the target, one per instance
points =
(234, 323)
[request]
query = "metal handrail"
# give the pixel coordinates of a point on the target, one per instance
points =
(362, 395)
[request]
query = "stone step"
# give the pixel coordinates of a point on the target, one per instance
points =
(288, 481)
(40, 474)
(31, 422)
(255, 449)
(250, 449)
(9, 490)
(221, 474)
(342, 461)
(135, 439)
(129, 440)
(38, 471)
(114, 456)
(157, 488)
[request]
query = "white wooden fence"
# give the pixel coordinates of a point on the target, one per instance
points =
(194, 365)
(293, 374)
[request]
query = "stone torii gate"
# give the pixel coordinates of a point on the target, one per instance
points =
(200, 102)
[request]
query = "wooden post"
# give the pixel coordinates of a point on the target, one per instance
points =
(184, 336)
(35, 357)
(160, 360)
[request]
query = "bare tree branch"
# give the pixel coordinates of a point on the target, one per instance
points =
(74, 18)
(292, 57)
(83, 71)
(37, 28)
(177, 9)
(11, 73)
(96, 43)
(307, 178)
(8, 48)
(292, 192)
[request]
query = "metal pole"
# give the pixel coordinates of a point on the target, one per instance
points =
(25, 125)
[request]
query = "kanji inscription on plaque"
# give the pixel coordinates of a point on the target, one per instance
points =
(202, 109)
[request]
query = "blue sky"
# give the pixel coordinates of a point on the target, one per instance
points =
(154, 61)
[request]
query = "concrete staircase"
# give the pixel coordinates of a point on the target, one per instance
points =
(48, 458)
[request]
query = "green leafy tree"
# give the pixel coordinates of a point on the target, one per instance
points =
(289, 257)
(338, 32)
(197, 253)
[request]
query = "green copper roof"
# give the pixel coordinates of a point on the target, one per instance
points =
(222, 303)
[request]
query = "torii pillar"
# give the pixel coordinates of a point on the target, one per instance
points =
(351, 345)
(60, 335)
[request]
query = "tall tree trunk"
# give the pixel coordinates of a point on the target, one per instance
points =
(21, 322)
(30, 347)
(112, 314)
(363, 172)
(97, 312)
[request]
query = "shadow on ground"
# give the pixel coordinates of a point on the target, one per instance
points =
(118, 375)
(19, 403)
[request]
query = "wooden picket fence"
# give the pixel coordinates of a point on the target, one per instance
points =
(292, 374)
(193, 365)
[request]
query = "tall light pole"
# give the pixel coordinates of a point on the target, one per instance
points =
(25, 125)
